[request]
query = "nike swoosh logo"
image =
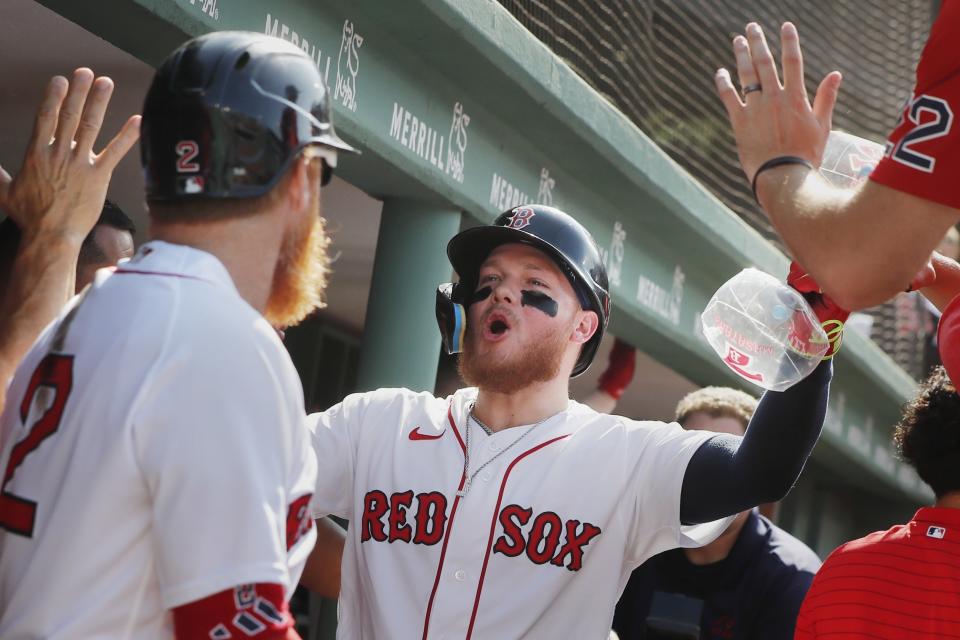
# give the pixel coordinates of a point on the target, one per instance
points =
(416, 435)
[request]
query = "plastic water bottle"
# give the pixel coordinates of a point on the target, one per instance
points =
(764, 331)
(848, 159)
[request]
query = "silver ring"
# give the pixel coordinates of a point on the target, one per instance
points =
(752, 87)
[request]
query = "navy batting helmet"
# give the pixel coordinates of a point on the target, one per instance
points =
(226, 114)
(551, 231)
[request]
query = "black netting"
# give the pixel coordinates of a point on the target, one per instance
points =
(655, 61)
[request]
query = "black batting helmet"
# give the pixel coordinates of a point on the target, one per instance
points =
(551, 231)
(226, 114)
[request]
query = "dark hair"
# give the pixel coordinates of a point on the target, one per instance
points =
(928, 434)
(110, 216)
(9, 245)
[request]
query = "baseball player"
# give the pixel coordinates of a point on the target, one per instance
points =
(507, 510)
(902, 582)
(157, 472)
(108, 243)
(745, 585)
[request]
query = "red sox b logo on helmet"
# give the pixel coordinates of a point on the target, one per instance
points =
(521, 217)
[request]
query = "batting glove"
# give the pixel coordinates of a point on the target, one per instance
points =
(829, 313)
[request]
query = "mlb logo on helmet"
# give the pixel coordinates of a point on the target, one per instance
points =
(521, 217)
(191, 184)
(936, 532)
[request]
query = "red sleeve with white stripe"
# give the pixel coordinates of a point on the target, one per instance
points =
(246, 611)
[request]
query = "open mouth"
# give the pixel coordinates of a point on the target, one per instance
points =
(496, 327)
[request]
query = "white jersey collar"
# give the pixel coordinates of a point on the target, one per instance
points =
(462, 400)
(179, 260)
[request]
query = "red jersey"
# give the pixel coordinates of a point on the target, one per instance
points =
(895, 584)
(948, 338)
(922, 155)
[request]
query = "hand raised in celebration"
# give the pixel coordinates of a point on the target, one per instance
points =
(771, 118)
(62, 185)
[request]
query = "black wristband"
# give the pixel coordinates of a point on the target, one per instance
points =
(776, 162)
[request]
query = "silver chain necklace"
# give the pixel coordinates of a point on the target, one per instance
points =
(467, 476)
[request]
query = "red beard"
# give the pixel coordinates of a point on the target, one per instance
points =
(301, 274)
(537, 363)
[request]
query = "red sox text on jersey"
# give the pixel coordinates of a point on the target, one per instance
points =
(547, 539)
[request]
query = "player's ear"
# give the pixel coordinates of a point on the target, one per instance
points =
(587, 323)
(298, 184)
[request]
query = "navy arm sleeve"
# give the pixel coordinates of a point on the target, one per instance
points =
(729, 474)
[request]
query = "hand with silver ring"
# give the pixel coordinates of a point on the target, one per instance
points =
(784, 123)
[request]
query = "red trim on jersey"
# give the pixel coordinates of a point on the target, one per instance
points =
(248, 610)
(157, 273)
(493, 523)
(446, 535)
(443, 553)
(453, 424)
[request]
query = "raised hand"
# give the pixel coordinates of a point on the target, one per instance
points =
(62, 185)
(770, 118)
(55, 199)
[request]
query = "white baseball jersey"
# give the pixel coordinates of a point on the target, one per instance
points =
(541, 545)
(157, 456)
